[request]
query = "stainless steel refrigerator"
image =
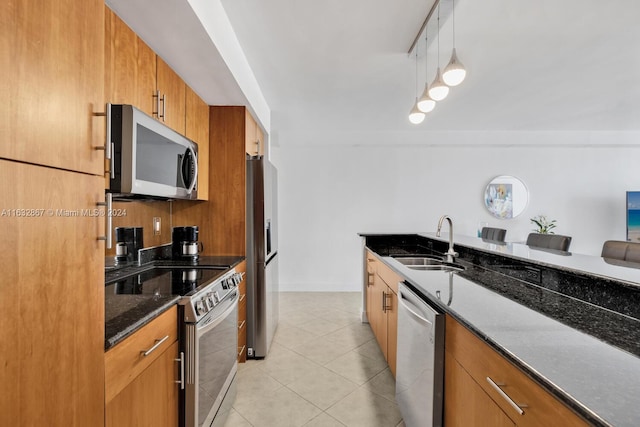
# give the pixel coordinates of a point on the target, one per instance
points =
(262, 256)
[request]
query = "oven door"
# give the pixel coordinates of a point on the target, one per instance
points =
(211, 365)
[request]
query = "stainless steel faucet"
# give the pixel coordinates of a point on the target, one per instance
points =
(451, 253)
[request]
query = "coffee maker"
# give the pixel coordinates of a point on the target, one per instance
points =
(185, 245)
(128, 242)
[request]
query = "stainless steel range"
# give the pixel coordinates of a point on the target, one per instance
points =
(209, 333)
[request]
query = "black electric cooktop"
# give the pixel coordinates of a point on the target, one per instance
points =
(162, 281)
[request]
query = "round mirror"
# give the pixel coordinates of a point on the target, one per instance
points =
(506, 197)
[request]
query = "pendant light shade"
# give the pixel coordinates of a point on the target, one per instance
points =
(426, 104)
(415, 115)
(438, 90)
(454, 73)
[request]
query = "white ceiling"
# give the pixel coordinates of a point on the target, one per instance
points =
(343, 65)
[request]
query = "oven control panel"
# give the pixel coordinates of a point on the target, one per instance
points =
(206, 299)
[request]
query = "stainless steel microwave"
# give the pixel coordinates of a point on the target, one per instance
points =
(149, 159)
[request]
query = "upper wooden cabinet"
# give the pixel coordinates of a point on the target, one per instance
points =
(137, 76)
(197, 129)
(171, 91)
(130, 65)
(254, 138)
(52, 83)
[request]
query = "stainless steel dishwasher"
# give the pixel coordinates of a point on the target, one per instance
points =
(420, 360)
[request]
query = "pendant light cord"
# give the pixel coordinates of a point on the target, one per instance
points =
(453, 20)
(416, 72)
(438, 35)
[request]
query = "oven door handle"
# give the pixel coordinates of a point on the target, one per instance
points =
(212, 322)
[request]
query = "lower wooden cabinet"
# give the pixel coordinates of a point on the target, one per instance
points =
(382, 307)
(483, 388)
(142, 390)
(466, 404)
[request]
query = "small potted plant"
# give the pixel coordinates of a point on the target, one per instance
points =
(544, 224)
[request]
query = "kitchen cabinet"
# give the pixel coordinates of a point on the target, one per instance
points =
(130, 65)
(53, 84)
(52, 297)
(492, 385)
(171, 90)
(222, 220)
(242, 313)
(136, 75)
(466, 404)
(254, 138)
(142, 374)
(197, 129)
(382, 307)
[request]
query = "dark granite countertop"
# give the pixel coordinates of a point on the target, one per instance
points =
(125, 314)
(584, 353)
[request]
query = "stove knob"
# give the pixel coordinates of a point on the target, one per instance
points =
(216, 297)
(200, 307)
(210, 300)
(225, 284)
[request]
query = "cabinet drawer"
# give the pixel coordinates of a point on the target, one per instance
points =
(388, 276)
(127, 360)
(504, 382)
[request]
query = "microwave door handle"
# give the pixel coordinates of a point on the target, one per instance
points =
(194, 178)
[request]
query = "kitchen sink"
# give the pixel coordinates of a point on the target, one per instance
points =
(419, 261)
(426, 263)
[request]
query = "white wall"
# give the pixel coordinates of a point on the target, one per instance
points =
(330, 190)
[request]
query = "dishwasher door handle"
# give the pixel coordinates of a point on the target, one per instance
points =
(402, 300)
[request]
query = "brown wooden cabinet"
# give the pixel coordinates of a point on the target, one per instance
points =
(130, 65)
(52, 83)
(242, 313)
(51, 297)
(171, 90)
(222, 220)
(382, 307)
(466, 404)
(254, 138)
(141, 381)
(197, 129)
(137, 76)
(492, 385)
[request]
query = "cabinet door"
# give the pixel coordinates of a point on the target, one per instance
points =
(130, 65)
(51, 297)
(151, 399)
(378, 314)
(53, 83)
(466, 403)
(197, 129)
(392, 329)
(173, 90)
(250, 141)
(370, 276)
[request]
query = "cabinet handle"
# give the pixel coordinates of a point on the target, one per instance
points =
(241, 350)
(108, 204)
(369, 279)
(241, 324)
(384, 306)
(506, 397)
(158, 343)
(158, 99)
(181, 380)
(107, 143)
(243, 296)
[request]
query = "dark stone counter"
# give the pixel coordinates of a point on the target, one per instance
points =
(126, 313)
(575, 333)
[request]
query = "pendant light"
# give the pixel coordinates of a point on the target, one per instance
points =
(439, 90)
(426, 104)
(415, 115)
(454, 73)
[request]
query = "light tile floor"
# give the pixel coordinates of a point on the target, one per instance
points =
(324, 369)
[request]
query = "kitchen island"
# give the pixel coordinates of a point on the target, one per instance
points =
(569, 322)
